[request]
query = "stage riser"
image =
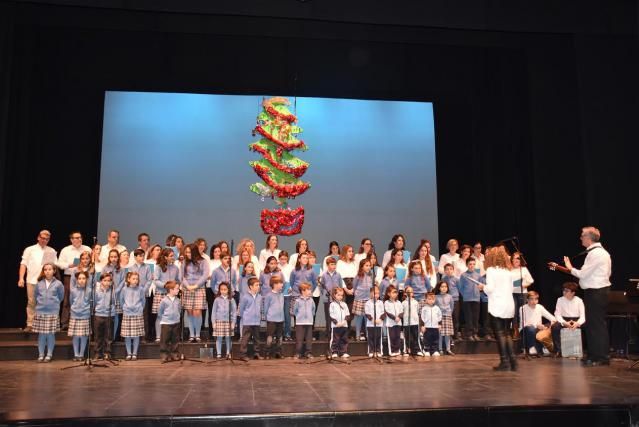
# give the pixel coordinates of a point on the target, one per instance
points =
(64, 350)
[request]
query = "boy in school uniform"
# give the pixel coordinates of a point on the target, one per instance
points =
(304, 309)
(329, 280)
(274, 311)
(431, 318)
(169, 313)
(251, 315)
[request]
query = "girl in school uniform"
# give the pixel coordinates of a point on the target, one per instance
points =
(378, 272)
(347, 269)
(301, 247)
(419, 282)
(132, 299)
(365, 249)
(270, 250)
(389, 279)
(270, 269)
(49, 293)
(286, 270)
(410, 308)
(223, 317)
(95, 258)
(362, 284)
(446, 304)
(85, 265)
(80, 301)
(164, 272)
(398, 242)
(333, 252)
(303, 273)
(397, 261)
(248, 271)
(393, 322)
(195, 272)
(117, 274)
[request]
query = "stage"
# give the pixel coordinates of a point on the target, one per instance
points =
(457, 390)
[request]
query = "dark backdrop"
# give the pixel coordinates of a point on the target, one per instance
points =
(535, 105)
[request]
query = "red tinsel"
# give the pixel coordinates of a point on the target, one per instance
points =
(288, 117)
(296, 172)
(285, 145)
(288, 191)
(283, 222)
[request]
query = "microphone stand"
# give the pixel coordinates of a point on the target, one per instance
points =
(521, 310)
(111, 359)
(88, 362)
(410, 352)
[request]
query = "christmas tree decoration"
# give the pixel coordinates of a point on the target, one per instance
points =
(279, 169)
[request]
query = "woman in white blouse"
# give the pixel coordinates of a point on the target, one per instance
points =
(347, 269)
(521, 280)
(499, 289)
(270, 249)
(451, 257)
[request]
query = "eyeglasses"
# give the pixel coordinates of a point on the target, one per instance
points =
(76, 237)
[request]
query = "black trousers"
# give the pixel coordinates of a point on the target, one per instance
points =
(471, 317)
(411, 337)
(597, 340)
(65, 311)
(303, 339)
(249, 331)
(103, 330)
(456, 310)
(484, 320)
(274, 333)
(395, 338)
(210, 298)
(149, 320)
(169, 339)
(327, 316)
(374, 339)
(339, 341)
(431, 340)
(503, 334)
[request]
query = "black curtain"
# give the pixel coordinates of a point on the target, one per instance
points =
(534, 131)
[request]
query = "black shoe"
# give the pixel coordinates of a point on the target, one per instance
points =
(503, 366)
(513, 364)
(592, 363)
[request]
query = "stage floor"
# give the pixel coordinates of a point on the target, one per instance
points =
(30, 391)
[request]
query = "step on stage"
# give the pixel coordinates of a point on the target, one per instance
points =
(450, 391)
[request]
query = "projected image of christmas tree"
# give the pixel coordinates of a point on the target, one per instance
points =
(279, 169)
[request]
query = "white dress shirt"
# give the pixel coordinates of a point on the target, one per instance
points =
(499, 289)
(104, 252)
(532, 316)
(447, 258)
(68, 254)
(266, 254)
(525, 276)
(570, 308)
(595, 273)
(347, 270)
(34, 257)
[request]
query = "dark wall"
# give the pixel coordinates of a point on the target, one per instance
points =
(535, 118)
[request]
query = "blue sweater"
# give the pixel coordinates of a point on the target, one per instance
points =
(102, 299)
(420, 286)
(133, 299)
(452, 282)
(304, 309)
(244, 288)
(220, 275)
(386, 283)
(80, 301)
(331, 281)
(467, 288)
(302, 276)
(48, 300)
(160, 278)
(118, 275)
(195, 274)
(274, 306)
(362, 287)
(251, 309)
(265, 281)
(445, 303)
(169, 311)
(220, 309)
(144, 271)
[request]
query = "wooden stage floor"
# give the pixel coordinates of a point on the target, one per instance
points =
(145, 388)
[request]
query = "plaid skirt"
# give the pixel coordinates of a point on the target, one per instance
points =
(78, 327)
(118, 306)
(157, 299)
(46, 323)
(359, 307)
(132, 326)
(194, 300)
(291, 308)
(447, 328)
(221, 328)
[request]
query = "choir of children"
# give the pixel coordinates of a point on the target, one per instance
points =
(277, 291)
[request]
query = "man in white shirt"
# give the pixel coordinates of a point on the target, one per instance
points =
(113, 242)
(69, 259)
(569, 312)
(33, 258)
(594, 279)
